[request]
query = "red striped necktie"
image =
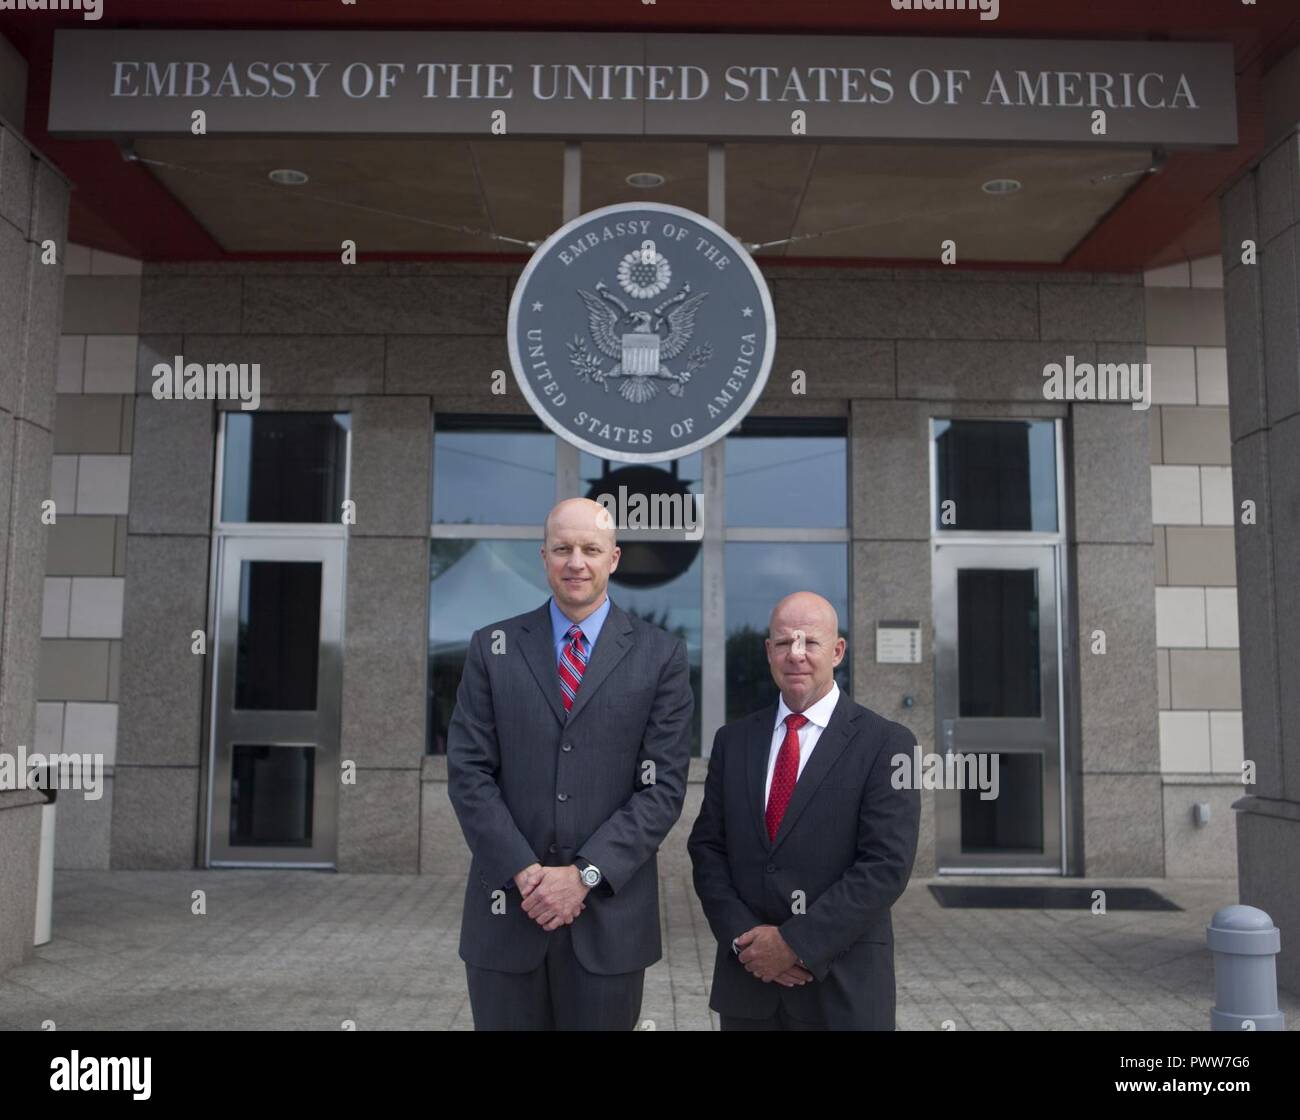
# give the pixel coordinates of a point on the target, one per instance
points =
(573, 660)
(785, 774)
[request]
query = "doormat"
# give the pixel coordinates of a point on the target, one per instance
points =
(1047, 898)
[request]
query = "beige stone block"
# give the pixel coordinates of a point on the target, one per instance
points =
(101, 305)
(1184, 742)
(1196, 435)
(1173, 374)
(1211, 375)
(1205, 678)
(1180, 617)
(73, 670)
(1176, 495)
(1227, 747)
(1201, 556)
(54, 609)
(1191, 317)
(1216, 496)
(87, 425)
(110, 363)
(1221, 618)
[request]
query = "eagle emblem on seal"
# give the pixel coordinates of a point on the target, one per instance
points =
(639, 341)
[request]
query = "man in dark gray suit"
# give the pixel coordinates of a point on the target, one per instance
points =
(803, 844)
(566, 763)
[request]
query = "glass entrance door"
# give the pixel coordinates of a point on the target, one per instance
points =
(273, 793)
(998, 693)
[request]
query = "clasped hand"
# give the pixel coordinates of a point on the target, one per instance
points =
(765, 955)
(553, 896)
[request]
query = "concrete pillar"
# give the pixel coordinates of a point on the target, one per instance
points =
(386, 644)
(33, 228)
(156, 780)
(1263, 315)
(890, 566)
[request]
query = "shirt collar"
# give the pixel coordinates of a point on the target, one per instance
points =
(560, 622)
(820, 713)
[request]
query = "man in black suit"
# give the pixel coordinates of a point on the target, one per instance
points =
(803, 844)
(566, 764)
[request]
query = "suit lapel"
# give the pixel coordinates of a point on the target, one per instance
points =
(538, 643)
(615, 640)
(829, 747)
(760, 749)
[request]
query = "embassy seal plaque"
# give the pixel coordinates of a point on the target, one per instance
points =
(641, 332)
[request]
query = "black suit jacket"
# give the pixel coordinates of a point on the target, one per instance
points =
(847, 843)
(531, 783)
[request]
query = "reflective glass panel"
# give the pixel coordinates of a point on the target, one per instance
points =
(284, 467)
(788, 473)
(999, 673)
(278, 648)
(271, 790)
(999, 475)
(1013, 820)
(495, 470)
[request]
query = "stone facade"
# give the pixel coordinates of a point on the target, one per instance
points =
(82, 621)
(395, 342)
(33, 226)
(1196, 595)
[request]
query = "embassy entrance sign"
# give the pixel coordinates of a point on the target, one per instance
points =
(574, 85)
(641, 332)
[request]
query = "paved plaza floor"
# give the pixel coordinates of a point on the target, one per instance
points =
(296, 950)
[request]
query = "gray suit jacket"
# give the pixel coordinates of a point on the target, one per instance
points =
(847, 842)
(531, 783)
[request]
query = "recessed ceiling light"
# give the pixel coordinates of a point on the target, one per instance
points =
(645, 180)
(1001, 186)
(287, 177)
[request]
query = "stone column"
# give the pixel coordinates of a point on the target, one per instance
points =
(386, 647)
(1263, 313)
(33, 228)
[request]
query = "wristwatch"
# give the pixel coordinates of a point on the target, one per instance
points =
(590, 873)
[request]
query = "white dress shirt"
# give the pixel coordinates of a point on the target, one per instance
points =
(819, 715)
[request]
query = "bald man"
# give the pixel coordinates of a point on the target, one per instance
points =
(566, 764)
(803, 844)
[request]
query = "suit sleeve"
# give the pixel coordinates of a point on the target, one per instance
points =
(473, 760)
(636, 830)
(888, 823)
(729, 916)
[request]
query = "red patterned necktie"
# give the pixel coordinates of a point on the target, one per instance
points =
(785, 775)
(573, 660)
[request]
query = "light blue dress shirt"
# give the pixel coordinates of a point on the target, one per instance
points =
(591, 625)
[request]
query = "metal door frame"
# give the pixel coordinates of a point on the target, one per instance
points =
(319, 728)
(947, 559)
(990, 544)
(331, 537)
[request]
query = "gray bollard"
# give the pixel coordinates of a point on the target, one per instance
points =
(1244, 942)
